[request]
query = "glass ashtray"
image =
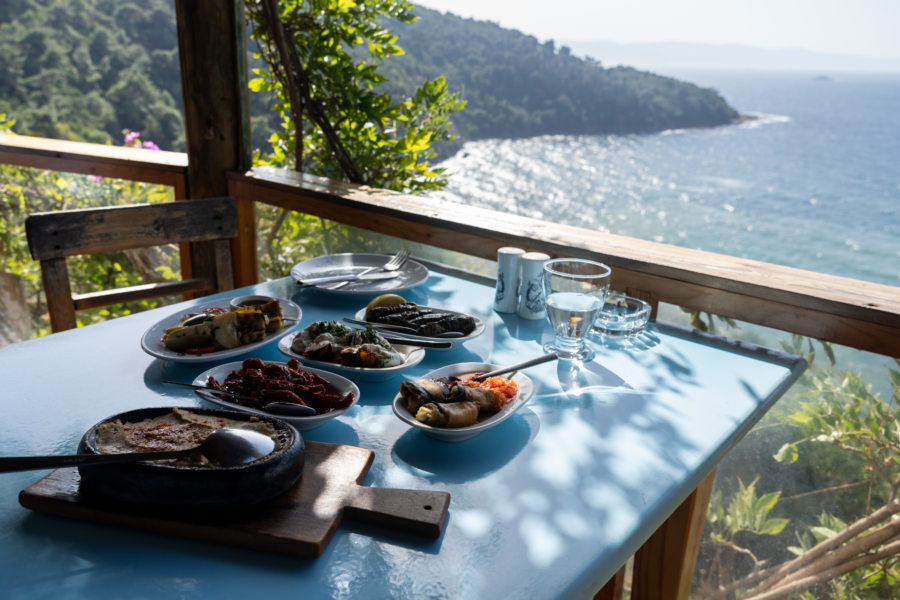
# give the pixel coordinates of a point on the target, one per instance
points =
(622, 316)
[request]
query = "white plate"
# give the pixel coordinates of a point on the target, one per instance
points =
(413, 356)
(151, 342)
(454, 342)
(458, 434)
(341, 385)
(409, 275)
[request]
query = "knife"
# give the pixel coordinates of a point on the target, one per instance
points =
(402, 329)
(346, 277)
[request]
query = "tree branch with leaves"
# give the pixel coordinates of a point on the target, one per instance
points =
(323, 58)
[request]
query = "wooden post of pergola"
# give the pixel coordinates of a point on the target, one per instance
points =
(212, 52)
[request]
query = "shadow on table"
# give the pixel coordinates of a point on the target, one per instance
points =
(469, 460)
(525, 329)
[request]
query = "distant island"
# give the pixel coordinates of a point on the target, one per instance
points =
(87, 70)
(681, 56)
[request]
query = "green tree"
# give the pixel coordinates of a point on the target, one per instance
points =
(334, 121)
(323, 59)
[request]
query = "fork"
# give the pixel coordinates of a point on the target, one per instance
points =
(396, 261)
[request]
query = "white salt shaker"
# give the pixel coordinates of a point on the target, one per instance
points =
(531, 292)
(506, 294)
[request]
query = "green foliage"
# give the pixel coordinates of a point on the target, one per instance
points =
(850, 436)
(79, 69)
(840, 410)
(746, 512)
(327, 101)
(334, 122)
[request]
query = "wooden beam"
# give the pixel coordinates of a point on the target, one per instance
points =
(95, 230)
(140, 292)
(854, 313)
(211, 50)
(213, 88)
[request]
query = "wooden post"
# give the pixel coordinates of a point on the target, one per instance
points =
(664, 565)
(613, 588)
(216, 116)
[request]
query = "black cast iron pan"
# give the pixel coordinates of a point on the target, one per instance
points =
(162, 485)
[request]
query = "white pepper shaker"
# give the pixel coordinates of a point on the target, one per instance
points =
(506, 294)
(531, 292)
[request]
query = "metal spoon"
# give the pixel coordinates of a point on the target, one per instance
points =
(226, 447)
(276, 408)
(281, 408)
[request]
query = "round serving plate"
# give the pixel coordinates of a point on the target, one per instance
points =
(411, 357)
(410, 274)
(149, 483)
(151, 341)
(455, 342)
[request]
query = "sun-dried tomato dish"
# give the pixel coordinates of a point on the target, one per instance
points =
(281, 382)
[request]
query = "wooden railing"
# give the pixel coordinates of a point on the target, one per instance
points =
(845, 311)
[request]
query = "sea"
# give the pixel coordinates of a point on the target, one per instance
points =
(811, 180)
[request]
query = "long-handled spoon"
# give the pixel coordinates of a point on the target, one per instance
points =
(518, 366)
(281, 408)
(226, 447)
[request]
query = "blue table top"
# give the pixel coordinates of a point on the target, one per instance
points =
(548, 504)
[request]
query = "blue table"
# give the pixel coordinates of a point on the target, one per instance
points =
(550, 504)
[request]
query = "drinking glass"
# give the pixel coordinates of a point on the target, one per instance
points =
(574, 292)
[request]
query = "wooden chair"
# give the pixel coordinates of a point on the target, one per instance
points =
(53, 236)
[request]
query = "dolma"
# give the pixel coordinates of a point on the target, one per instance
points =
(448, 414)
(486, 400)
(422, 391)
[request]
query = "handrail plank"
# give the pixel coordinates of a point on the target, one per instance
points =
(846, 311)
(119, 162)
(855, 313)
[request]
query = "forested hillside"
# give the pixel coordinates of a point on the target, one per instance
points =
(86, 69)
(518, 87)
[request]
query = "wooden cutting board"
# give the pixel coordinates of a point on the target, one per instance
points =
(300, 522)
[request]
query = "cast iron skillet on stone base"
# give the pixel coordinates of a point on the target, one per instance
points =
(162, 485)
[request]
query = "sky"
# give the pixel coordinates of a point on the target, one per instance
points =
(856, 27)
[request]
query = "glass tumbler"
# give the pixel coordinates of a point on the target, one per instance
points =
(575, 290)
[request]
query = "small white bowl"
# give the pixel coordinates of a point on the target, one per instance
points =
(622, 316)
(458, 434)
(242, 301)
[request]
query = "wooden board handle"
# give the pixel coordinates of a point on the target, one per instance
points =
(417, 511)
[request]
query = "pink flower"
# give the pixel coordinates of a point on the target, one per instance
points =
(150, 146)
(130, 136)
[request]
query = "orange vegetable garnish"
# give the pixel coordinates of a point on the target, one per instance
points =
(504, 389)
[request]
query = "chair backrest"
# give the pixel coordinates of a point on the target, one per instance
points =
(53, 236)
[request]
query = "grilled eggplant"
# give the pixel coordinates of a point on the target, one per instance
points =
(428, 322)
(221, 332)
